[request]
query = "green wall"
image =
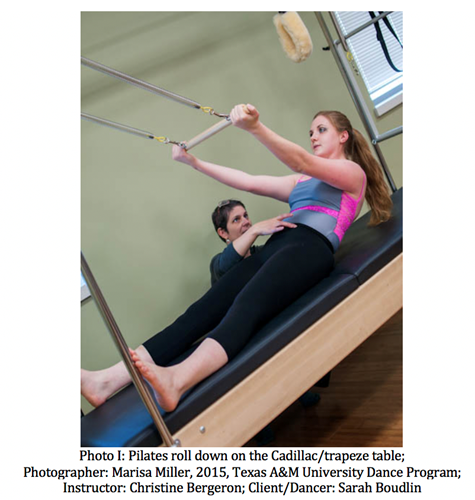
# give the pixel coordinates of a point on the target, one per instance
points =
(146, 228)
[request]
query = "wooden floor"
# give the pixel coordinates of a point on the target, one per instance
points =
(362, 405)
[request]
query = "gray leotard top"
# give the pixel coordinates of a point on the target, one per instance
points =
(328, 210)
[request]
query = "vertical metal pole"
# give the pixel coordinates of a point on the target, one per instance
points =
(340, 34)
(139, 383)
(358, 99)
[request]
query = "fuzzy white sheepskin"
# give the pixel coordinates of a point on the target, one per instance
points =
(294, 36)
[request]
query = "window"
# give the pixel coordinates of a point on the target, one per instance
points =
(85, 293)
(384, 84)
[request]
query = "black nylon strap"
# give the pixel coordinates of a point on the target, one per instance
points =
(391, 29)
(380, 37)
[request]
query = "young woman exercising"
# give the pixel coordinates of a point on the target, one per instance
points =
(325, 196)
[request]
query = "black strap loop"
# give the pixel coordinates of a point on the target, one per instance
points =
(380, 37)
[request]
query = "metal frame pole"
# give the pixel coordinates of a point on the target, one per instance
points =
(355, 93)
(388, 134)
(139, 383)
(340, 34)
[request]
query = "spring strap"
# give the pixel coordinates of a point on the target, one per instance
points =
(209, 110)
(166, 140)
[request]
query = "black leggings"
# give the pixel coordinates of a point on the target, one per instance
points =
(249, 295)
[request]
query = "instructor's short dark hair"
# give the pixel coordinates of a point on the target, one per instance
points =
(221, 213)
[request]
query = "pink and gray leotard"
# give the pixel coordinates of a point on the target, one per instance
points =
(328, 210)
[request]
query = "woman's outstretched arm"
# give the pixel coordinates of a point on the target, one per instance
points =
(340, 173)
(263, 185)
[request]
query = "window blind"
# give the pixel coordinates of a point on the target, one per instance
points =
(380, 79)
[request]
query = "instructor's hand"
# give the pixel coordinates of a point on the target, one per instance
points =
(272, 226)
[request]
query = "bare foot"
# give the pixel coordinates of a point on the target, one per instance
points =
(162, 381)
(94, 387)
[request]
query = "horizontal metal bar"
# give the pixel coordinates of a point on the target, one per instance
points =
(207, 134)
(387, 135)
(138, 83)
(118, 126)
(369, 23)
(116, 334)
